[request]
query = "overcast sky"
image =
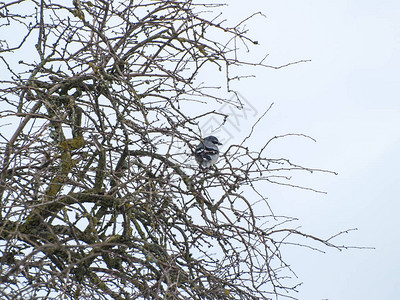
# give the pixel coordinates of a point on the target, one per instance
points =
(347, 98)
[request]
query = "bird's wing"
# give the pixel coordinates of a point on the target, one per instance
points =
(210, 148)
(206, 149)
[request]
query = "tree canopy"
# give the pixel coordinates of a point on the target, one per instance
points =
(101, 197)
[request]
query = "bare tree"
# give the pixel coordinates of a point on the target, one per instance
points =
(100, 195)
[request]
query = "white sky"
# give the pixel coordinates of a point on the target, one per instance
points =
(347, 98)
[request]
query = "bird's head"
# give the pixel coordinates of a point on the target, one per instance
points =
(213, 140)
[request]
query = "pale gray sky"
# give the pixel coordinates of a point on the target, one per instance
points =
(347, 98)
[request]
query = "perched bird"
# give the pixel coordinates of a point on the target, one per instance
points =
(207, 152)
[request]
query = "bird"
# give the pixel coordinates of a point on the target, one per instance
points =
(207, 152)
